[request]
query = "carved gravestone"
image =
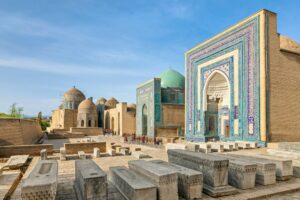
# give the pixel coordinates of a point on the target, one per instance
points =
(214, 169)
(190, 182)
(90, 181)
(44, 154)
(163, 178)
(42, 182)
(132, 185)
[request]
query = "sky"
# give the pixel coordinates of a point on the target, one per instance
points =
(107, 47)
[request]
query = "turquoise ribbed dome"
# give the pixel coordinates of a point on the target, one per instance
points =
(172, 78)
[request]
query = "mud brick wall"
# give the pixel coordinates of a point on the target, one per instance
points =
(7, 151)
(73, 148)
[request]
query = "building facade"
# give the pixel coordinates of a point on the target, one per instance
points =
(240, 84)
(160, 106)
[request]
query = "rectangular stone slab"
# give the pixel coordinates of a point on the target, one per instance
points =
(43, 154)
(296, 168)
(243, 145)
(163, 178)
(217, 146)
(265, 171)
(174, 146)
(81, 155)
(192, 147)
(96, 153)
(241, 174)
(132, 185)
(284, 167)
(214, 169)
(190, 182)
(62, 154)
(251, 144)
(41, 182)
(204, 147)
(90, 181)
(15, 162)
(140, 155)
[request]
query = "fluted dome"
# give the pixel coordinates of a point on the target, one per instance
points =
(87, 106)
(101, 101)
(112, 102)
(171, 78)
(74, 95)
(72, 98)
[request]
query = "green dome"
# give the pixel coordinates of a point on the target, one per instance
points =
(172, 78)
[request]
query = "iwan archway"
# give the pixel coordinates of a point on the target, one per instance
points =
(216, 106)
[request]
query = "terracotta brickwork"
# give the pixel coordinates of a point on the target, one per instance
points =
(284, 90)
(19, 131)
(7, 151)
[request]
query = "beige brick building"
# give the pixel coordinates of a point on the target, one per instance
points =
(243, 84)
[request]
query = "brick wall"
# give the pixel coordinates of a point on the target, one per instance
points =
(19, 131)
(73, 148)
(284, 90)
(7, 151)
(172, 115)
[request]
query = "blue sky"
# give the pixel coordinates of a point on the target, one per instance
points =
(107, 47)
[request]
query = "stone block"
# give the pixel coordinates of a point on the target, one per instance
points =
(192, 147)
(241, 174)
(96, 153)
(15, 162)
(62, 154)
(227, 146)
(190, 182)
(124, 151)
(111, 152)
(44, 154)
(243, 145)
(204, 147)
(163, 178)
(174, 146)
(214, 169)
(140, 155)
(265, 171)
(284, 167)
(81, 155)
(114, 146)
(90, 181)
(217, 147)
(132, 185)
(41, 182)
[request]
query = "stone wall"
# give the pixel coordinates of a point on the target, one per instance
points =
(73, 148)
(19, 131)
(63, 119)
(166, 132)
(173, 115)
(89, 131)
(284, 93)
(7, 151)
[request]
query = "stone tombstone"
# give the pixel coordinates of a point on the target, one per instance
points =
(132, 185)
(111, 152)
(190, 182)
(43, 154)
(81, 155)
(140, 155)
(124, 151)
(284, 167)
(42, 181)
(242, 174)
(192, 147)
(163, 178)
(96, 153)
(214, 169)
(62, 154)
(265, 171)
(174, 146)
(90, 181)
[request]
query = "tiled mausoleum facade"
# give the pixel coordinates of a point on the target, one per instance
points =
(231, 83)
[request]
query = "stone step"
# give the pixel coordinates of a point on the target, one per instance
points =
(163, 178)
(190, 182)
(90, 181)
(265, 171)
(214, 169)
(132, 185)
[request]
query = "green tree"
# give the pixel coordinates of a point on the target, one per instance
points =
(16, 111)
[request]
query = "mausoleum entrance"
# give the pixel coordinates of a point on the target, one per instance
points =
(216, 100)
(144, 120)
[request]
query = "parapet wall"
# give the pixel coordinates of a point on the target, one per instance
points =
(19, 131)
(89, 131)
(35, 149)
(73, 148)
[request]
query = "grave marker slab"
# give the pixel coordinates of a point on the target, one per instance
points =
(90, 181)
(132, 185)
(163, 178)
(41, 182)
(190, 182)
(214, 169)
